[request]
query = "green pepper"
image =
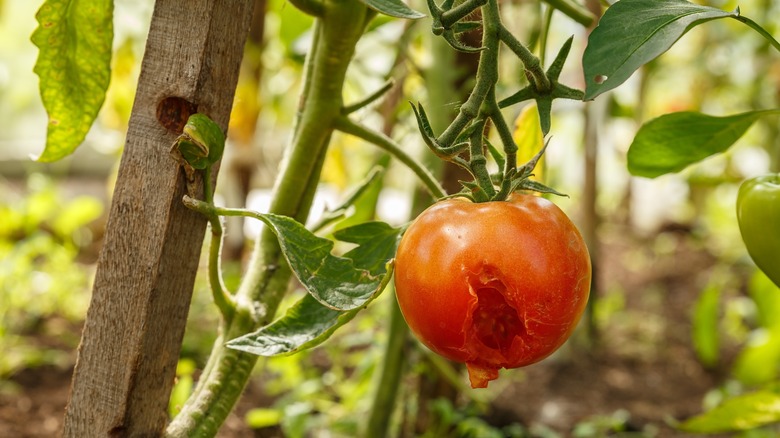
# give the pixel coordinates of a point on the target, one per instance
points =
(758, 214)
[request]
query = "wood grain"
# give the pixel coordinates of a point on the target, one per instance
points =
(143, 286)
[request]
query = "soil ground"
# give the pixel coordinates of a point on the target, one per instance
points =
(643, 368)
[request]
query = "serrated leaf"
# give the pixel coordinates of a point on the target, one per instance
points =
(74, 39)
(672, 142)
(305, 325)
(739, 413)
(393, 8)
(332, 280)
(377, 242)
(634, 32)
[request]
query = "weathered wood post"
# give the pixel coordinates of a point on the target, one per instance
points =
(143, 286)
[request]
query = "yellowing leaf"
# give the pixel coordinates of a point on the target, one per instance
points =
(74, 66)
(529, 138)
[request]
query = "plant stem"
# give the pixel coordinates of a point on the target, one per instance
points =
(532, 64)
(755, 26)
(222, 298)
(348, 126)
(449, 18)
(219, 293)
(573, 10)
(371, 98)
(337, 29)
(390, 374)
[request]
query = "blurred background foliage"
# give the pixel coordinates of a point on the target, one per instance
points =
(645, 231)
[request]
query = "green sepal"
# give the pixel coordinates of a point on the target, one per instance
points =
(535, 186)
(393, 8)
(465, 26)
(498, 157)
(429, 137)
(477, 193)
(527, 169)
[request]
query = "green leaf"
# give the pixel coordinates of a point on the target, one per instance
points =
(393, 8)
(74, 66)
(634, 32)
(377, 242)
(705, 326)
(766, 295)
(739, 413)
(674, 141)
(305, 325)
(313, 319)
(334, 281)
(757, 362)
(259, 418)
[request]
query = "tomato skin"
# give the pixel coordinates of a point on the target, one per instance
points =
(758, 214)
(495, 284)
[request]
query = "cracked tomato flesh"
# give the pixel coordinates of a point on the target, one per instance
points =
(495, 284)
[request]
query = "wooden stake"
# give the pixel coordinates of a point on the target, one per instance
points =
(146, 271)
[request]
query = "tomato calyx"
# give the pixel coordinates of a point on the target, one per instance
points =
(509, 181)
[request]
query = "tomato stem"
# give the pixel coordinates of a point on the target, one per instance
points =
(482, 104)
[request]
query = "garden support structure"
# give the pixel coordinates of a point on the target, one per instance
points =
(146, 270)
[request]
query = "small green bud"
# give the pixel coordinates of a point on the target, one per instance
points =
(201, 143)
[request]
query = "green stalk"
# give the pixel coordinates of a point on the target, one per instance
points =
(347, 126)
(441, 77)
(574, 10)
(390, 374)
(338, 27)
(219, 292)
(755, 26)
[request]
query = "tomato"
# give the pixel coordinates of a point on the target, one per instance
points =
(758, 214)
(494, 284)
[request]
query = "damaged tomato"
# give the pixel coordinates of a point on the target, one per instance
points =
(495, 284)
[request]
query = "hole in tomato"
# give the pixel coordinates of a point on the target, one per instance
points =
(496, 323)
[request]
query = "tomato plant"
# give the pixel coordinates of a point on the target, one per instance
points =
(758, 213)
(496, 284)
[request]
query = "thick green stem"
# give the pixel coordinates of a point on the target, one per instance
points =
(487, 77)
(338, 28)
(390, 374)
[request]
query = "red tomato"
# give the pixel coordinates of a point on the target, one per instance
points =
(494, 284)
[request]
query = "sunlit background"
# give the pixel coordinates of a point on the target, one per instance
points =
(674, 326)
